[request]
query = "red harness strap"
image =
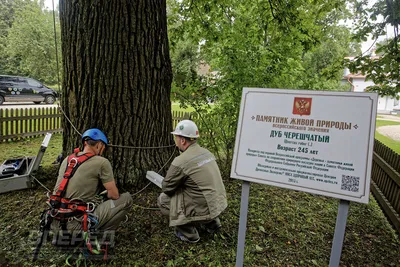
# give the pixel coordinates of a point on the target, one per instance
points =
(74, 161)
(63, 208)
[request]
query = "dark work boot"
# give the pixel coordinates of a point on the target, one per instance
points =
(187, 233)
(212, 226)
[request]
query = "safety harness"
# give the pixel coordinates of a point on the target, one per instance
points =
(62, 208)
(65, 209)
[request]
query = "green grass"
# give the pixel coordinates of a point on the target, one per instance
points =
(30, 147)
(394, 145)
(380, 123)
(175, 106)
(284, 228)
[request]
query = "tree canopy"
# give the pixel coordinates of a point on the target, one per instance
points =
(271, 44)
(375, 21)
(27, 45)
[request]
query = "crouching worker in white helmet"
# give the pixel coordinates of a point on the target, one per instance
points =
(193, 193)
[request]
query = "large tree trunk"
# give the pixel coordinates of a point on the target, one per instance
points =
(117, 77)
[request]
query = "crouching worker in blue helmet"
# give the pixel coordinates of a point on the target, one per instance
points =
(75, 206)
(193, 193)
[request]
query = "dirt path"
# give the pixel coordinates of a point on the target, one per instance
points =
(391, 131)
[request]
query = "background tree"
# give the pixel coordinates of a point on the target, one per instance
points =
(323, 65)
(270, 44)
(384, 70)
(117, 77)
(7, 17)
(185, 63)
(29, 46)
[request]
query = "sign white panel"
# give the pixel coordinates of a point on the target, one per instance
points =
(319, 142)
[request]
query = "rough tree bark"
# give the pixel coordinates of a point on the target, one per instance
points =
(117, 77)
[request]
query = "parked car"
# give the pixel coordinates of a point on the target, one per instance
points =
(22, 89)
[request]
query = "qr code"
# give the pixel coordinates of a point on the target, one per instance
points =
(350, 183)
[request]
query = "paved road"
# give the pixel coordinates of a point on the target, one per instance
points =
(19, 105)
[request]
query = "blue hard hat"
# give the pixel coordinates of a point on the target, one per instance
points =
(95, 134)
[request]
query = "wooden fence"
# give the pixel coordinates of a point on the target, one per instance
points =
(385, 183)
(177, 116)
(17, 124)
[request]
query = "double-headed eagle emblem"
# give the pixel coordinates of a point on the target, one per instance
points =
(302, 106)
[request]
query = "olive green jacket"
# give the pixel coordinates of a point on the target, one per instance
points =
(195, 186)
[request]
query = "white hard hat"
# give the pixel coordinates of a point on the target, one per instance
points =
(186, 128)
